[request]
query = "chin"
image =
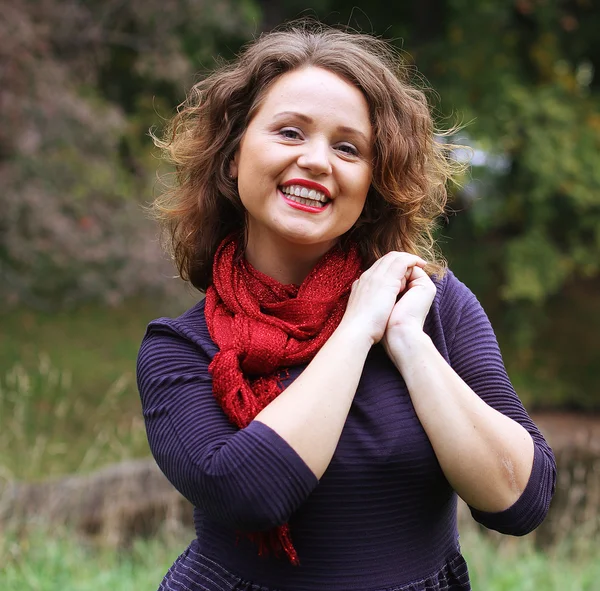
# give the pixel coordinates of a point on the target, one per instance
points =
(307, 239)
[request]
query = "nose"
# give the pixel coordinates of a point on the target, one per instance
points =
(316, 157)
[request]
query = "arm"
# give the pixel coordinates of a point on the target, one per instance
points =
(249, 479)
(471, 414)
(310, 414)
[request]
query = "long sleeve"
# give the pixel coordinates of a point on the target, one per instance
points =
(249, 479)
(475, 355)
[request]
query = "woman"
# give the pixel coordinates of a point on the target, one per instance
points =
(337, 388)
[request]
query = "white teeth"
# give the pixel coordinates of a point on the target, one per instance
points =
(310, 202)
(305, 193)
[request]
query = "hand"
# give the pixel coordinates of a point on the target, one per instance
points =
(373, 296)
(412, 308)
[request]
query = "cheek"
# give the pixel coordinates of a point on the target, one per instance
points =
(361, 186)
(360, 190)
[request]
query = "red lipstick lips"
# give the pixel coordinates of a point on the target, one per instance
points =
(308, 185)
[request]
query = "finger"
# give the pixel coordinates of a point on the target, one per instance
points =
(400, 264)
(383, 263)
(417, 273)
(414, 258)
(410, 258)
(419, 278)
(373, 268)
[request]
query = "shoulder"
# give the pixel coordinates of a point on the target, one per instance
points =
(453, 298)
(452, 294)
(172, 350)
(190, 327)
(454, 306)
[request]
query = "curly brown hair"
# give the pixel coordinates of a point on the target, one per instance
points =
(410, 167)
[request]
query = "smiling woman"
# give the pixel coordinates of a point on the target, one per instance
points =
(338, 388)
(304, 168)
(407, 191)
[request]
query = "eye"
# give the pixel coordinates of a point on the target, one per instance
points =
(290, 133)
(347, 149)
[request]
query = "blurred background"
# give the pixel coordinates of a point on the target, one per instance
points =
(81, 270)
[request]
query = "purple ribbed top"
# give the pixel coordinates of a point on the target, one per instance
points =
(382, 517)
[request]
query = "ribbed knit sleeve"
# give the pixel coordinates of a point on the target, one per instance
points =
(249, 479)
(474, 354)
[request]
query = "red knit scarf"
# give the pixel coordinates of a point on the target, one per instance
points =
(262, 327)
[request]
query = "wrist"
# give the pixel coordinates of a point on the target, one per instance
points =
(353, 332)
(406, 342)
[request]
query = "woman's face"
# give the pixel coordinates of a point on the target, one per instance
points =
(304, 162)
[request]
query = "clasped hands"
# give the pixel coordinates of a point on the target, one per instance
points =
(391, 298)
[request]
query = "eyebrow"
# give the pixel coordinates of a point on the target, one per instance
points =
(307, 119)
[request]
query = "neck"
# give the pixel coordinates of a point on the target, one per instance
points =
(286, 263)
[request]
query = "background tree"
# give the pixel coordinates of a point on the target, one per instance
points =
(81, 83)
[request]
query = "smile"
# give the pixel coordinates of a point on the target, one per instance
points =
(304, 196)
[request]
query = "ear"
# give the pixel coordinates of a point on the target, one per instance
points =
(233, 166)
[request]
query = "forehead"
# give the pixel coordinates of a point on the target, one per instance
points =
(317, 92)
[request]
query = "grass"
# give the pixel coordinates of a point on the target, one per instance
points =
(57, 562)
(98, 345)
(68, 398)
(514, 564)
(48, 431)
